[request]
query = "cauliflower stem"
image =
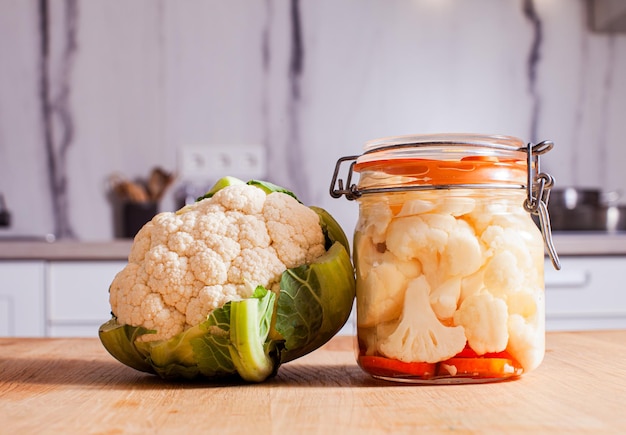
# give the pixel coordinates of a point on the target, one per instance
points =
(250, 321)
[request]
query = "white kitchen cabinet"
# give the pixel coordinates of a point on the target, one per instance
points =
(77, 293)
(22, 299)
(587, 293)
(6, 316)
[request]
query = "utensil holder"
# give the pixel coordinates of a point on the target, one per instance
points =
(135, 215)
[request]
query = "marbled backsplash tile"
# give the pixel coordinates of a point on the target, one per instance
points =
(57, 118)
(533, 59)
(89, 88)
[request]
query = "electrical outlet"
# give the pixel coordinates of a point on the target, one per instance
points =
(210, 162)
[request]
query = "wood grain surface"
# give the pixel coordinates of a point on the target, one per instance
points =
(69, 386)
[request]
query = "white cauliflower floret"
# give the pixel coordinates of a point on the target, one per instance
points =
(445, 246)
(500, 239)
(456, 205)
(377, 217)
(503, 274)
(484, 318)
(472, 284)
(256, 265)
(184, 265)
(382, 281)
(527, 340)
(415, 207)
(527, 302)
(419, 335)
(492, 210)
(371, 255)
(445, 298)
(412, 238)
(209, 297)
(463, 255)
(380, 296)
(239, 197)
(294, 230)
(514, 267)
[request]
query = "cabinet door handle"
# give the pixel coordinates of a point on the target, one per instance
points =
(570, 278)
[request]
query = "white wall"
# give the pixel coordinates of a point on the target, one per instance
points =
(130, 83)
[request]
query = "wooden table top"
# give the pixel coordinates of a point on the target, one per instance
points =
(72, 385)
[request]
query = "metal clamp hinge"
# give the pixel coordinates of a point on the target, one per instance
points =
(538, 188)
(337, 188)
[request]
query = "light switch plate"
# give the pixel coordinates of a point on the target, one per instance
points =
(211, 162)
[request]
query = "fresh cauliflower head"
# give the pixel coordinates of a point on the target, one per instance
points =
(184, 265)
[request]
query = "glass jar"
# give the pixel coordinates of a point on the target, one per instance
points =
(449, 262)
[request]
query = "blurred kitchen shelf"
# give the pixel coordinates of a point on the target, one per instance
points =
(589, 243)
(567, 243)
(65, 250)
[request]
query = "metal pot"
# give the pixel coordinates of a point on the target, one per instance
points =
(575, 209)
(613, 217)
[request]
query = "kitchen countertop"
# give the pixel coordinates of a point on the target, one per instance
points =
(567, 243)
(65, 250)
(72, 385)
(589, 243)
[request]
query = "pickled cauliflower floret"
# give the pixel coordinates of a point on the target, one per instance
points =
(184, 265)
(527, 340)
(377, 221)
(441, 243)
(484, 318)
(445, 298)
(419, 335)
(381, 270)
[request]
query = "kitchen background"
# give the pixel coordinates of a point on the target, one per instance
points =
(89, 89)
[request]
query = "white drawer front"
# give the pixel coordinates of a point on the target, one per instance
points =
(78, 291)
(587, 293)
(6, 317)
(22, 312)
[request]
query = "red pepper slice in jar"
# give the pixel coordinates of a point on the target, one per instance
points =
(387, 367)
(480, 367)
(468, 352)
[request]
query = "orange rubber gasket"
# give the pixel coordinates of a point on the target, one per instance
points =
(470, 170)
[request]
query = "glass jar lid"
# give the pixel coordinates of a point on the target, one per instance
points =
(470, 160)
(451, 161)
(447, 139)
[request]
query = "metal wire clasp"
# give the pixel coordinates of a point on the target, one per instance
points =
(538, 188)
(351, 191)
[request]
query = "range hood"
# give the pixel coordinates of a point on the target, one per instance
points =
(607, 16)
